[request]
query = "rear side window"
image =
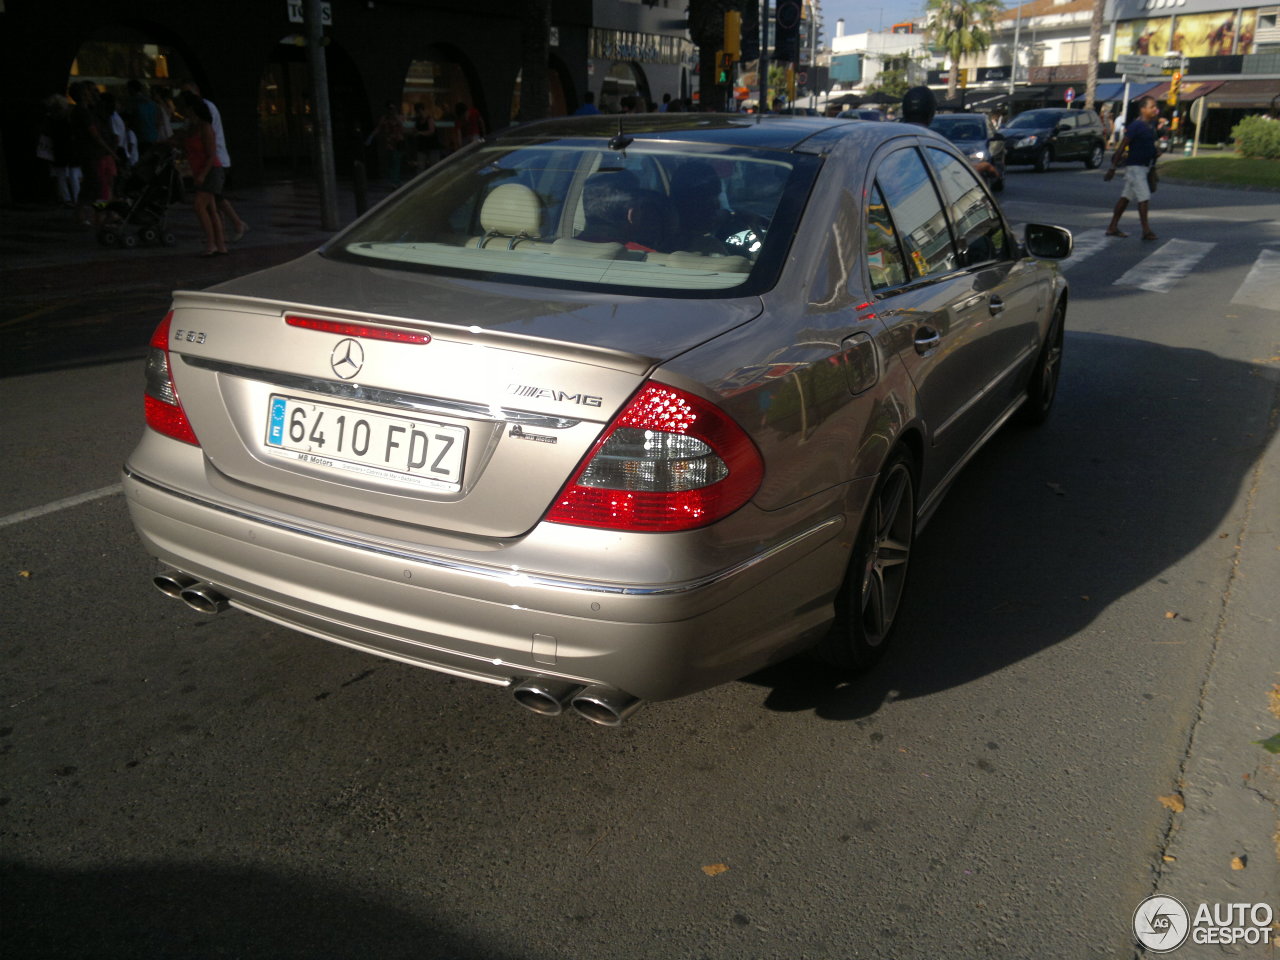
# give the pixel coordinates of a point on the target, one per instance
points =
(917, 213)
(884, 255)
(978, 225)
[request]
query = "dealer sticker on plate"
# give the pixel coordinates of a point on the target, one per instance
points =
(399, 449)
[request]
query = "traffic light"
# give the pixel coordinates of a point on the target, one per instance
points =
(786, 35)
(724, 63)
(733, 34)
(1175, 86)
(962, 77)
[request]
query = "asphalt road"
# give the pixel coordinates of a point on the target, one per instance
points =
(1093, 628)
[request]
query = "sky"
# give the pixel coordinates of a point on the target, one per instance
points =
(863, 15)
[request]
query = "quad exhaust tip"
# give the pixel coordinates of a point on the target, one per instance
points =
(600, 704)
(198, 595)
(546, 697)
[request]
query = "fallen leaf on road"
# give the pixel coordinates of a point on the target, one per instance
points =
(715, 869)
(25, 574)
(1169, 859)
(1169, 615)
(1237, 863)
(1174, 802)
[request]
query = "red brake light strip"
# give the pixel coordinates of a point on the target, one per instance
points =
(357, 330)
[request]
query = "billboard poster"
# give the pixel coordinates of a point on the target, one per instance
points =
(1210, 34)
(1145, 37)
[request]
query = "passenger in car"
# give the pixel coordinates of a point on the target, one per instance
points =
(617, 210)
(695, 191)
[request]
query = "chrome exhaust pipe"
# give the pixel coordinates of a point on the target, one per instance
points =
(204, 598)
(605, 705)
(172, 582)
(547, 697)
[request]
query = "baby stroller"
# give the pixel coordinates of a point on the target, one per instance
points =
(141, 213)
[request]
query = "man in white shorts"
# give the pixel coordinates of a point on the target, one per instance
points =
(1137, 152)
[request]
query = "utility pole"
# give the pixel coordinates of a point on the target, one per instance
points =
(323, 119)
(763, 71)
(1013, 67)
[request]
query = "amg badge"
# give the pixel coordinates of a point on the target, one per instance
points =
(560, 396)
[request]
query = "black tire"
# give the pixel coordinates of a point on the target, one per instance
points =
(149, 235)
(1042, 160)
(129, 240)
(168, 239)
(875, 582)
(1094, 160)
(1042, 388)
(108, 238)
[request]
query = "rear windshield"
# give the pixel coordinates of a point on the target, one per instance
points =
(962, 129)
(659, 217)
(1036, 118)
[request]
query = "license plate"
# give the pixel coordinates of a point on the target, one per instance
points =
(400, 449)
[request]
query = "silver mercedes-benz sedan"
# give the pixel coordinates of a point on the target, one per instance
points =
(603, 410)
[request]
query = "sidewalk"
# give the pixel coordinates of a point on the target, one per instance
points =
(285, 213)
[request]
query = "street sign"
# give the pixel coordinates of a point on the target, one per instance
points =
(296, 9)
(1174, 63)
(1197, 111)
(1069, 95)
(1138, 65)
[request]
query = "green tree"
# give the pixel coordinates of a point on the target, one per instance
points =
(892, 81)
(961, 28)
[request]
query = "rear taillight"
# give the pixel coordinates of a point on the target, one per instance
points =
(669, 461)
(164, 409)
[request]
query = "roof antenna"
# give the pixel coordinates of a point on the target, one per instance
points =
(621, 141)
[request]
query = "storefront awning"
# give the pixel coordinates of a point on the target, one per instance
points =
(1115, 91)
(1029, 94)
(1243, 94)
(1190, 90)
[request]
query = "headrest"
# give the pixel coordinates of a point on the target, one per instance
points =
(512, 210)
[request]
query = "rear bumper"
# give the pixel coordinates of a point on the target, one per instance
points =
(500, 623)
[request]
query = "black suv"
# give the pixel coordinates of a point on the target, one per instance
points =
(1039, 137)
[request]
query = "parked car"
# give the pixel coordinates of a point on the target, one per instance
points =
(861, 113)
(1041, 137)
(975, 137)
(602, 415)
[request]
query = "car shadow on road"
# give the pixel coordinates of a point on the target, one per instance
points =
(198, 911)
(1144, 460)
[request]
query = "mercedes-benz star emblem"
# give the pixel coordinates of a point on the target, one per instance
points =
(347, 358)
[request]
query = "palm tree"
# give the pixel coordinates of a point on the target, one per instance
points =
(961, 28)
(1095, 42)
(535, 34)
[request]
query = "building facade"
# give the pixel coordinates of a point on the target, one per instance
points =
(249, 57)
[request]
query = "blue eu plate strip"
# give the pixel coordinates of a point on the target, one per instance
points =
(275, 425)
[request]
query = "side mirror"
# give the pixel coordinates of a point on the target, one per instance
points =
(1045, 242)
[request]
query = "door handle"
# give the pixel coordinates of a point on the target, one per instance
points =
(926, 339)
(995, 305)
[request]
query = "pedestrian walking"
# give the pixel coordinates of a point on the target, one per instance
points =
(1136, 155)
(223, 206)
(206, 170)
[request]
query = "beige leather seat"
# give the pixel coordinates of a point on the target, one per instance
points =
(511, 213)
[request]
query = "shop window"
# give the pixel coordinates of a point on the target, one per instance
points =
(111, 64)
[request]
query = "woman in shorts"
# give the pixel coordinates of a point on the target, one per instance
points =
(206, 171)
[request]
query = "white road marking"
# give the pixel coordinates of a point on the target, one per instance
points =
(1261, 288)
(1160, 271)
(64, 504)
(1084, 245)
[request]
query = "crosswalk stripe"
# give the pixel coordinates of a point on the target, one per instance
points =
(1261, 288)
(1160, 271)
(1084, 245)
